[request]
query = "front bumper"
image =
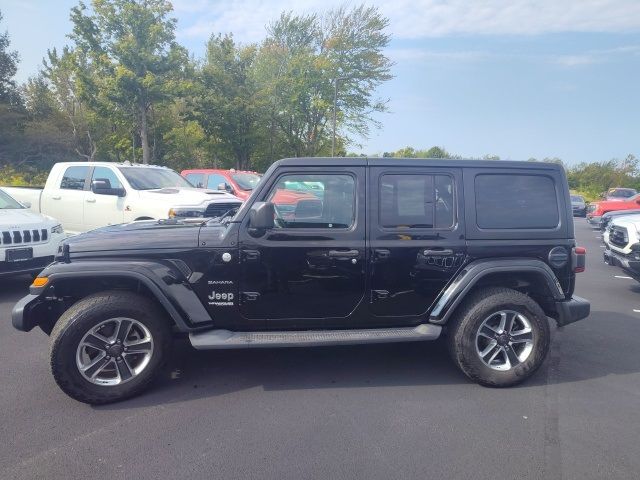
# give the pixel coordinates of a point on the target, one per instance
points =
(33, 265)
(594, 219)
(628, 263)
(572, 310)
(579, 212)
(21, 317)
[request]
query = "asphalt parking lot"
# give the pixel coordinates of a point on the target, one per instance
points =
(383, 411)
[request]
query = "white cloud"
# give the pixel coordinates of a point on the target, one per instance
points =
(412, 19)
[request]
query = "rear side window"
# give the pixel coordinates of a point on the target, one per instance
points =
(516, 201)
(73, 178)
(416, 201)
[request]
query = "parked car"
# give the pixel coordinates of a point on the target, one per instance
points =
(28, 240)
(237, 182)
(84, 196)
(622, 244)
(395, 251)
(607, 217)
(242, 183)
(595, 210)
(620, 194)
(579, 206)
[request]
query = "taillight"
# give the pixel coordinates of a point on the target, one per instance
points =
(579, 259)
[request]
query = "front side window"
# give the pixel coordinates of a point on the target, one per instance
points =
(215, 180)
(295, 208)
(516, 201)
(416, 201)
(195, 179)
(107, 175)
(73, 178)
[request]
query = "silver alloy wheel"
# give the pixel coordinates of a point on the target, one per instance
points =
(114, 351)
(504, 340)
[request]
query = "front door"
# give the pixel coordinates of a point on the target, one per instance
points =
(416, 239)
(101, 209)
(310, 270)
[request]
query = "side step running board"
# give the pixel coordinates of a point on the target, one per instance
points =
(214, 339)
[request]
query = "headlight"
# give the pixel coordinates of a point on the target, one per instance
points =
(185, 212)
(57, 229)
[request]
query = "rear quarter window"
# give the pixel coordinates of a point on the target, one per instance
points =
(516, 201)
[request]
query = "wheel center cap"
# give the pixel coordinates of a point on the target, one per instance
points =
(502, 339)
(115, 350)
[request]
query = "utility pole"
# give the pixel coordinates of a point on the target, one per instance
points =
(335, 107)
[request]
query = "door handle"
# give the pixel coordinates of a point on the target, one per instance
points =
(443, 252)
(91, 200)
(56, 198)
(344, 253)
(381, 254)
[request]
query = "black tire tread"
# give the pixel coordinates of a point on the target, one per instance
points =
(478, 300)
(92, 305)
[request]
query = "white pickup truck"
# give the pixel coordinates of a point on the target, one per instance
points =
(84, 196)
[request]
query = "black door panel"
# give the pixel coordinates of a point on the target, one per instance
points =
(298, 276)
(417, 243)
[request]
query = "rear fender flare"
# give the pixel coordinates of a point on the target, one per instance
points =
(469, 276)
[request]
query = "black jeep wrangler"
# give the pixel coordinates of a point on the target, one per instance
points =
(325, 252)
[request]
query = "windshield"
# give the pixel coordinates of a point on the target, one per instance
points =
(246, 181)
(577, 198)
(7, 202)
(621, 193)
(146, 178)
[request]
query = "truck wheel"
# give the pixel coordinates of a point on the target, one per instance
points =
(499, 337)
(109, 346)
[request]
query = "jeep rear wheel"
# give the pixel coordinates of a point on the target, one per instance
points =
(108, 347)
(499, 337)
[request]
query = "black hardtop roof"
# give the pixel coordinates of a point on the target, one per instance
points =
(412, 162)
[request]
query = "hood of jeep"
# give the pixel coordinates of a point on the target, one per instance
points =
(136, 236)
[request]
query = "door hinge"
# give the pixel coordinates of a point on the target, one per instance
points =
(379, 294)
(250, 255)
(250, 296)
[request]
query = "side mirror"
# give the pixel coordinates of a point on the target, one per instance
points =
(102, 186)
(261, 217)
(222, 186)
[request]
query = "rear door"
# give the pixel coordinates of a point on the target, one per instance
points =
(65, 202)
(417, 241)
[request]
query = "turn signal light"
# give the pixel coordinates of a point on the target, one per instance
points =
(40, 282)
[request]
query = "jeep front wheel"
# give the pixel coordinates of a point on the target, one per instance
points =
(499, 337)
(108, 347)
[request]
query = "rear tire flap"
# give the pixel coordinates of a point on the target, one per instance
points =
(85, 314)
(461, 335)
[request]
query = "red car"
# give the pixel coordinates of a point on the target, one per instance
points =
(241, 184)
(597, 209)
(237, 182)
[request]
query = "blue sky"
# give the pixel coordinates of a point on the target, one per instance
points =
(514, 78)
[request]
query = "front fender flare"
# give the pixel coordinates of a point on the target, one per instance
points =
(161, 278)
(470, 275)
